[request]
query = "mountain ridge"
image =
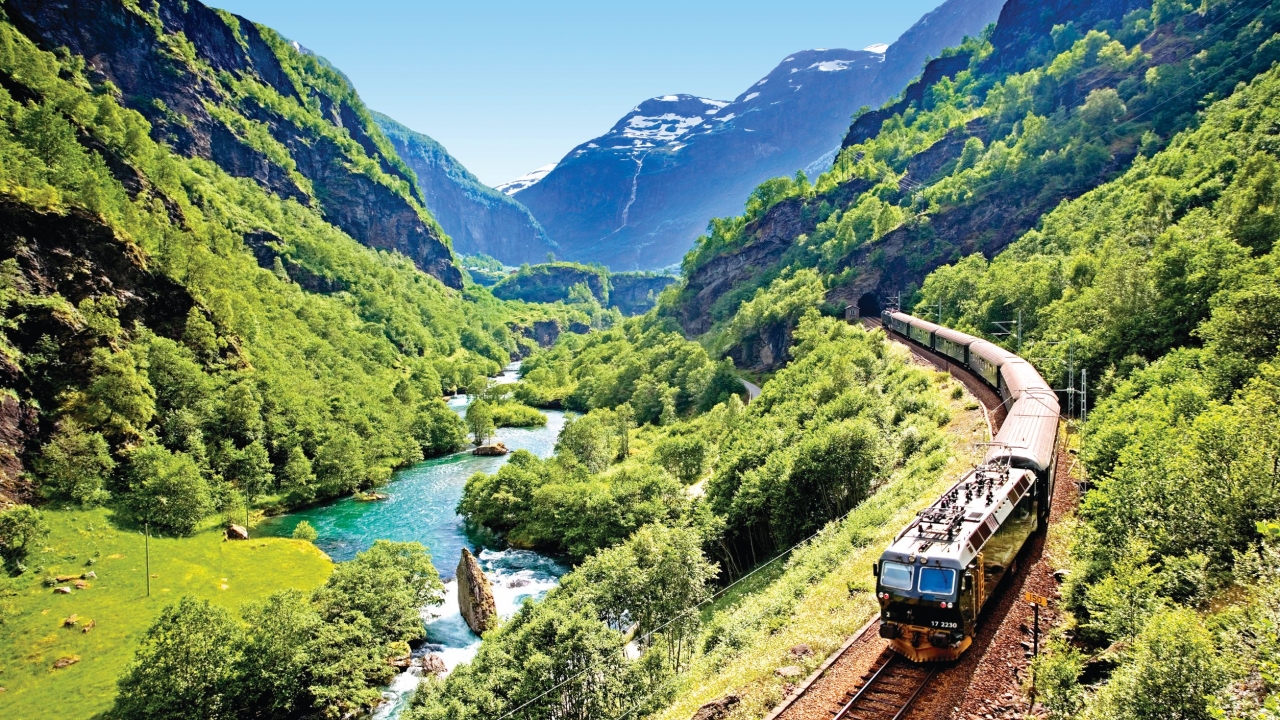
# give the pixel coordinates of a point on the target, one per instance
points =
(478, 218)
(675, 161)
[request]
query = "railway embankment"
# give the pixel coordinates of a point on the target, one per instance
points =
(862, 680)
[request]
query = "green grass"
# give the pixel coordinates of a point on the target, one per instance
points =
(823, 591)
(32, 637)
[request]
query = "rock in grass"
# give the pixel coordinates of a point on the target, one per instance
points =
(66, 661)
(64, 590)
(71, 621)
(717, 709)
(237, 532)
(475, 596)
(89, 626)
(789, 671)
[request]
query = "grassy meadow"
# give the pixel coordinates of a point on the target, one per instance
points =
(34, 636)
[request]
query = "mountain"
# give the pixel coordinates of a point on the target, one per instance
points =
(637, 196)
(217, 87)
(477, 217)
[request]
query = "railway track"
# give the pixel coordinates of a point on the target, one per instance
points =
(888, 691)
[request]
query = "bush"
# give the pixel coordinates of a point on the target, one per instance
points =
(510, 414)
(305, 531)
(74, 465)
(22, 528)
(1170, 673)
(185, 667)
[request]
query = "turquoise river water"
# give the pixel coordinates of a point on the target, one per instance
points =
(421, 507)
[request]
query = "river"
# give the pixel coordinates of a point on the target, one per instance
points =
(421, 506)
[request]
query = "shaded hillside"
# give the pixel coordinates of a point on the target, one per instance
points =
(974, 160)
(175, 338)
(637, 196)
(479, 219)
(218, 87)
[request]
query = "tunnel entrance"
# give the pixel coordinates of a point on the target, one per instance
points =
(869, 305)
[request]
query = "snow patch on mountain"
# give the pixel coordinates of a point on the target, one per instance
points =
(877, 48)
(527, 180)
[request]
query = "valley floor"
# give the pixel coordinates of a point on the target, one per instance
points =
(96, 629)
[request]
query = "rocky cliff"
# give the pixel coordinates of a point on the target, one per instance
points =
(57, 268)
(479, 218)
(475, 596)
(635, 293)
(216, 86)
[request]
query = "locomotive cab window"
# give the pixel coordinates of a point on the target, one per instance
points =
(937, 581)
(896, 575)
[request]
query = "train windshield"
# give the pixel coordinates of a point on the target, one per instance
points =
(896, 575)
(937, 581)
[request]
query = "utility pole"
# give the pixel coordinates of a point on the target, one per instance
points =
(1071, 380)
(1019, 330)
(148, 546)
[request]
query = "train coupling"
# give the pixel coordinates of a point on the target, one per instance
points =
(890, 631)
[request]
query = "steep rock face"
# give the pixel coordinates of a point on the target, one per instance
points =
(479, 218)
(768, 239)
(635, 293)
(868, 124)
(142, 49)
(1022, 35)
(66, 258)
(944, 26)
(664, 170)
(550, 282)
(475, 596)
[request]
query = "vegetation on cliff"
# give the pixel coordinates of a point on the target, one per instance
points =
(1162, 285)
(1010, 135)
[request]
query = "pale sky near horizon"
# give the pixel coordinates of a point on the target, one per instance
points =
(510, 86)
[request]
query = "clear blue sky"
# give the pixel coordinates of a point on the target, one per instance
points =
(511, 86)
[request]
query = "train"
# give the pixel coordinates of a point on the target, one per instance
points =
(938, 574)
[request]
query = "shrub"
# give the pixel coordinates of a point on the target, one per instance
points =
(305, 531)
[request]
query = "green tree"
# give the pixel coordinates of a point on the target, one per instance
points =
(185, 666)
(439, 429)
(480, 421)
(166, 489)
(388, 584)
(75, 465)
(22, 528)
(339, 464)
(684, 456)
(588, 440)
(119, 398)
(274, 669)
(1173, 670)
(297, 477)
(625, 418)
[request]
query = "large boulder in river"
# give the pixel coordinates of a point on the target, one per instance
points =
(475, 596)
